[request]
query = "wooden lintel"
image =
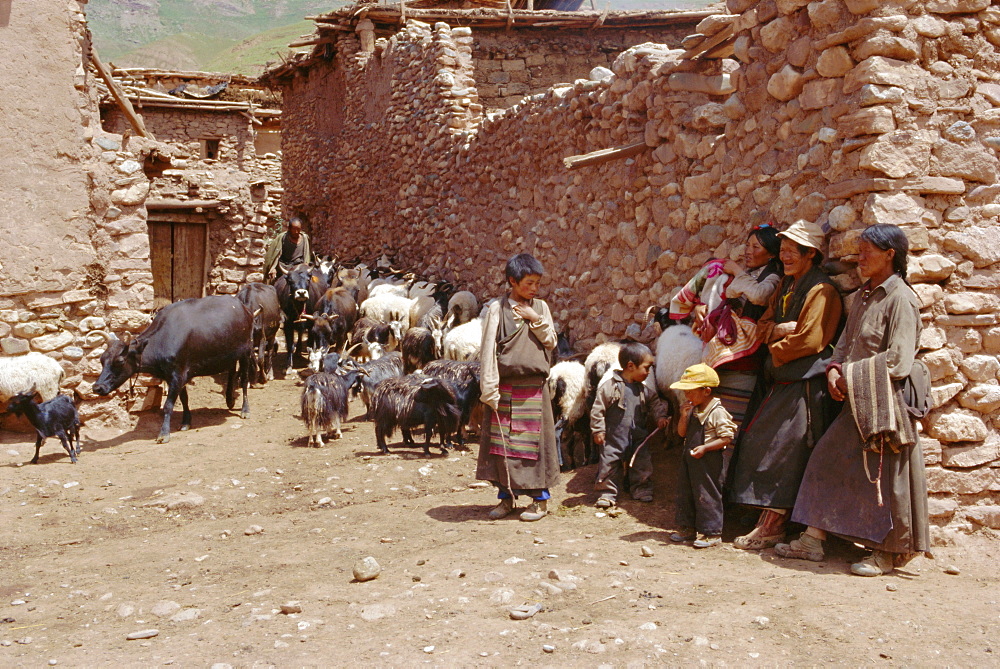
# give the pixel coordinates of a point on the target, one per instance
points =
(604, 156)
(116, 92)
(710, 43)
(181, 204)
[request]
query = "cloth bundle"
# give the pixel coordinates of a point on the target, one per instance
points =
(879, 409)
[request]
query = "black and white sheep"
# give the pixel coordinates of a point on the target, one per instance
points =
(324, 404)
(464, 379)
(568, 392)
(21, 372)
(462, 308)
(407, 402)
(56, 417)
(463, 342)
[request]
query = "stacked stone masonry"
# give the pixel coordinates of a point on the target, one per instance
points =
(845, 112)
(508, 66)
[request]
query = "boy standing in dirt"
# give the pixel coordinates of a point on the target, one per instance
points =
(708, 430)
(618, 422)
(518, 451)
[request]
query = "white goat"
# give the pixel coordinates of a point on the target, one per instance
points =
(568, 389)
(387, 308)
(19, 373)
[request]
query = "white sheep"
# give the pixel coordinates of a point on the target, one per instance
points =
(463, 342)
(462, 308)
(387, 308)
(19, 373)
(379, 287)
(676, 349)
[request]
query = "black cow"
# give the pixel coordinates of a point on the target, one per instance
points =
(262, 301)
(299, 292)
(196, 337)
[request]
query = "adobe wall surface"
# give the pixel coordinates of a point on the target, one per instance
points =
(842, 112)
(73, 245)
(510, 65)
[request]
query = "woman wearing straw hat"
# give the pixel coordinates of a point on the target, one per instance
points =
(865, 480)
(792, 409)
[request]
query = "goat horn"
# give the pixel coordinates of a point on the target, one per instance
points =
(645, 316)
(106, 336)
(348, 351)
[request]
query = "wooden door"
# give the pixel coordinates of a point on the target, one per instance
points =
(178, 253)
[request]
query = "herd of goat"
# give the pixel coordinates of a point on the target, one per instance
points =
(408, 347)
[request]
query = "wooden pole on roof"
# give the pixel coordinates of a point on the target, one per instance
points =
(402, 12)
(510, 15)
(137, 124)
(531, 5)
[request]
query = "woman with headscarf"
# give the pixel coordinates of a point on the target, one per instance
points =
(747, 296)
(800, 325)
(865, 480)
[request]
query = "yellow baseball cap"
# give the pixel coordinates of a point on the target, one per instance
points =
(697, 376)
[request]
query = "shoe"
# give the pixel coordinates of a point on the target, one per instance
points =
(682, 535)
(770, 531)
(536, 511)
(643, 497)
(502, 510)
(806, 547)
(605, 502)
(876, 564)
(707, 540)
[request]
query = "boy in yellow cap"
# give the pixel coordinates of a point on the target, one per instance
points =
(708, 430)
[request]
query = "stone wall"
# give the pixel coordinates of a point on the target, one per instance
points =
(188, 128)
(842, 112)
(510, 65)
(74, 254)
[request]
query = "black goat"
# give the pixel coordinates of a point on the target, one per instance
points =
(57, 417)
(419, 347)
(367, 331)
(373, 372)
(464, 379)
(409, 401)
(324, 404)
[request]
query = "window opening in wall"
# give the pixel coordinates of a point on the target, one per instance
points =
(210, 149)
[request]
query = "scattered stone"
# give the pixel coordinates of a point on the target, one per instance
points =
(253, 529)
(366, 569)
(178, 500)
(377, 611)
(142, 634)
(648, 627)
(524, 612)
(185, 615)
(647, 551)
(18, 602)
(24, 641)
(952, 570)
(428, 649)
(164, 609)
(891, 587)
(292, 607)
(761, 621)
(548, 648)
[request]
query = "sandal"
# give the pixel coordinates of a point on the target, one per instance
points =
(876, 564)
(769, 532)
(806, 547)
(605, 502)
(683, 535)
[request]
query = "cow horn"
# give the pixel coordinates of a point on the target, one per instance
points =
(257, 313)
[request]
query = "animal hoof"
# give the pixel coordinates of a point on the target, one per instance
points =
(244, 415)
(163, 439)
(185, 428)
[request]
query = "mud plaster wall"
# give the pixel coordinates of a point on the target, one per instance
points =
(510, 65)
(73, 244)
(846, 113)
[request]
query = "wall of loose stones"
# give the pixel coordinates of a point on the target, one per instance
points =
(510, 65)
(73, 246)
(840, 112)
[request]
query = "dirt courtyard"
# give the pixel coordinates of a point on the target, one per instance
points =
(89, 555)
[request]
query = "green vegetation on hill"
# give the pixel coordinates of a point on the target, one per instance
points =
(252, 54)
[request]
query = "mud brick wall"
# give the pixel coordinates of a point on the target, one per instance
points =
(510, 65)
(843, 112)
(74, 254)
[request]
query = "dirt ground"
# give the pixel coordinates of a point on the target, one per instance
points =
(89, 555)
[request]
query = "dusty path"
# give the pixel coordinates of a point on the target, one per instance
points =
(86, 559)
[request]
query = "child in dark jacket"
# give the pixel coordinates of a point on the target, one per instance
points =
(618, 421)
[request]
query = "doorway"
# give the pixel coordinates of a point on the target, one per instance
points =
(178, 253)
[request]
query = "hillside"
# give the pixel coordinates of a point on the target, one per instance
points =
(229, 35)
